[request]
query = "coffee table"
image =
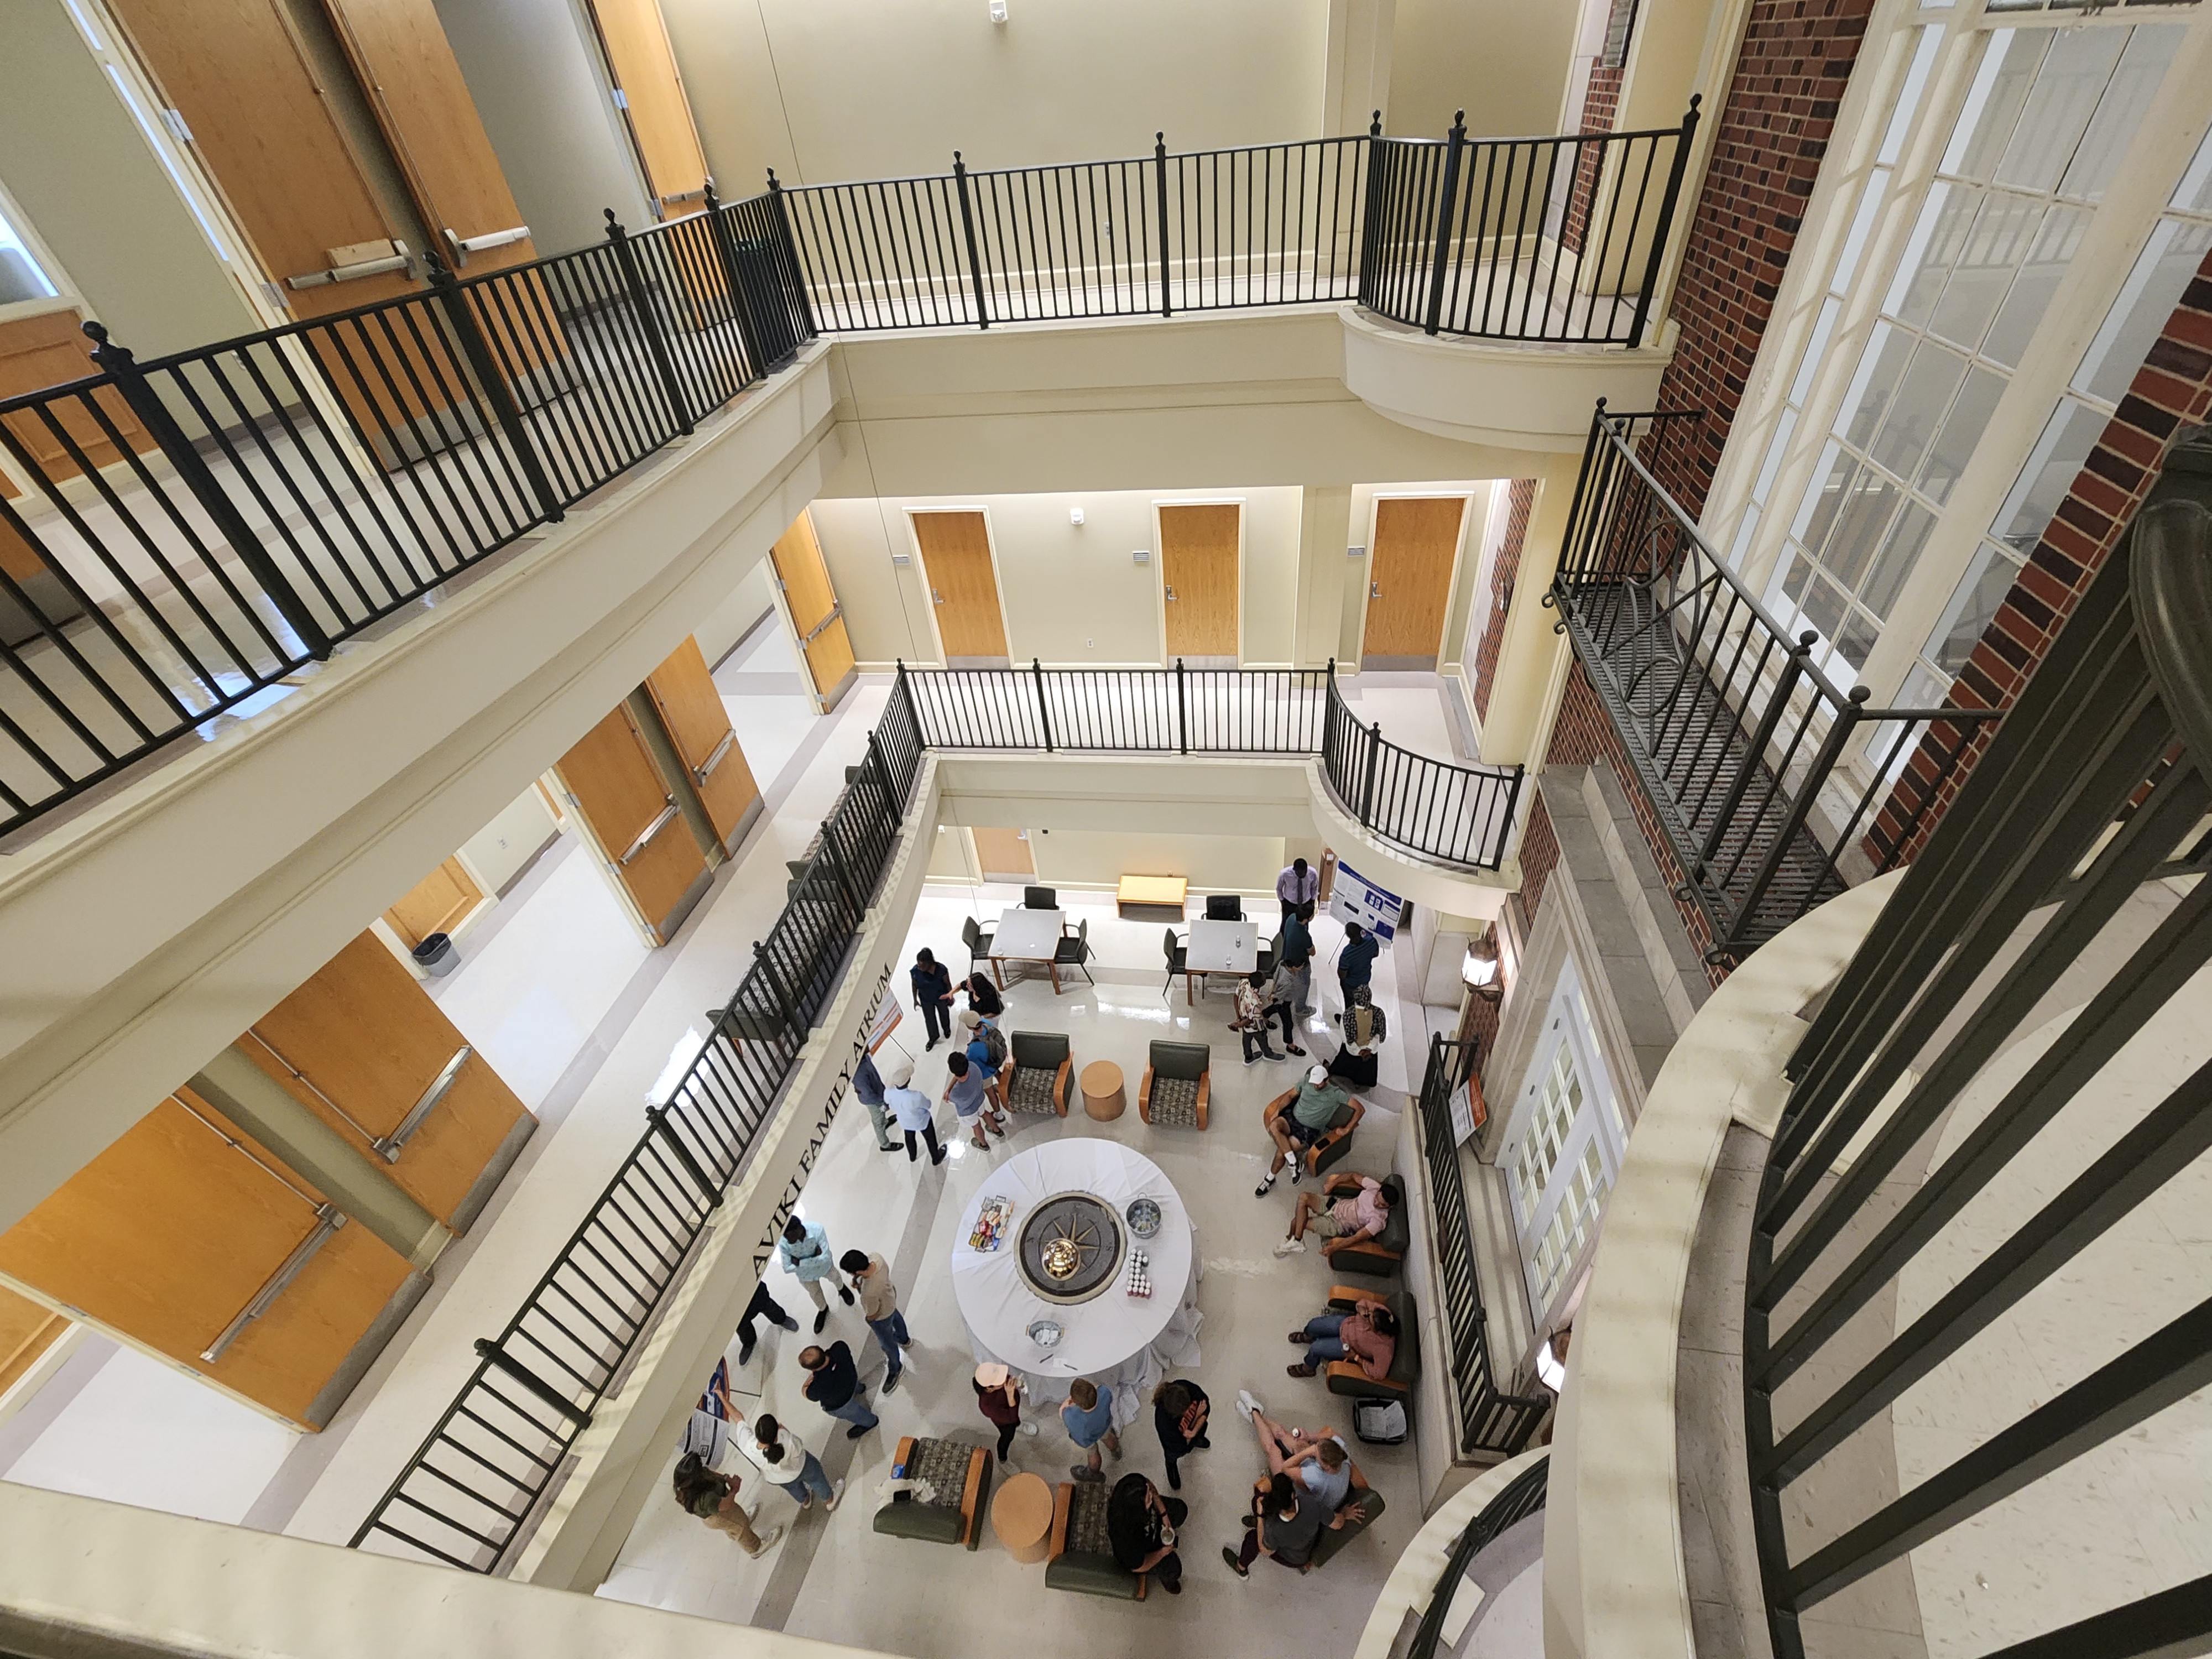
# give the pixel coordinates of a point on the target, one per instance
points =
(1021, 1517)
(1103, 1095)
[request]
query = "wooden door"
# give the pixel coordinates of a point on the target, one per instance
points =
(699, 726)
(964, 587)
(262, 125)
(616, 791)
(643, 66)
(815, 612)
(49, 350)
(27, 1329)
(166, 1236)
(1198, 576)
(361, 1044)
(1409, 570)
(435, 904)
(1003, 853)
(406, 66)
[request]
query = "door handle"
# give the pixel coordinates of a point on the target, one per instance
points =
(1375, 590)
(936, 597)
(1172, 592)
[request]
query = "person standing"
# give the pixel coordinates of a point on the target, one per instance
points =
(1087, 1414)
(762, 1303)
(911, 1110)
(791, 1466)
(712, 1497)
(1252, 1018)
(1297, 947)
(985, 1049)
(983, 998)
(1297, 885)
(1357, 1061)
(933, 994)
(868, 1086)
(1179, 1415)
(832, 1383)
(998, 1397)
(803, 1251)
(1140, 1527)
(880, 1307)
(970, 1088)
(1355, 963)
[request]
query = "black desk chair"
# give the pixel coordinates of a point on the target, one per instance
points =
(1040, 898)
(1223, 907)
(1178, 955)
(1073, 952)
(977, 941)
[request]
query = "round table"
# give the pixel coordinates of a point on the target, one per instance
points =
(1110, 1327)
(1102, 1091)
(1021, 1517)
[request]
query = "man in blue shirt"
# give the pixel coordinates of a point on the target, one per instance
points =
(868, 1087)
(933, 994)
(1087, 1414)
(1355, 963)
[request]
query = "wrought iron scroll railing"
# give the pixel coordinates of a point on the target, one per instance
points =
(1767, 779)
(1458, 815)
(1932, 1204)
(473, 1489)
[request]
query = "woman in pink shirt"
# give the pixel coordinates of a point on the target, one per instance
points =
(1348, 1208)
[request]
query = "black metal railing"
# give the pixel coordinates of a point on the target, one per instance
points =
(1767, 779)
(1558, 240)
(190, 532)
(1491, 1421)
(2072, 875)
(1523, 1496)
(1461, 816)
(469, 1491)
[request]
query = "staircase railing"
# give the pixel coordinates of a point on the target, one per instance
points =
(472, 1488)
(1767, 779)
(1461, 816)
(1523, 1497)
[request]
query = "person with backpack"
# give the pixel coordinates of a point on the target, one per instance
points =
(986, 1046)
(712, 1497)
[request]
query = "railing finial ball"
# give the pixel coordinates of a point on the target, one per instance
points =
(1809, 638)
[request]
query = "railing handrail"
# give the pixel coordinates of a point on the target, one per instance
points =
(1523, 1496)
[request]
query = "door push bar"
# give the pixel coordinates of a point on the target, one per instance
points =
(465, 245)
(668, 814)
(388, 1146)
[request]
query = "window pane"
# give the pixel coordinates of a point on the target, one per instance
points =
(2168, 262)
(2150, 48)
(2056, 240)
(2194, 193)
(1998, 245)
(1917, 410)
(1887, 351)
(1859, 527)
(1962, 430)
(2053, 465)
(1945, 219)
(1856, 642)
(21, 276)
(1989, 577)
(1824, 607)
(2016, 55)
(2073, 78)
(1824, 502)
(1900, 550)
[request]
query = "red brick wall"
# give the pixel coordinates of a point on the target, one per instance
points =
(1540, 856)
(1774, 129)
(1519, 502)
(1601, 110)
(2173, 389)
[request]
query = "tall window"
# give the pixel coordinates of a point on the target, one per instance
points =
(2037, 140)
(1562, 1150)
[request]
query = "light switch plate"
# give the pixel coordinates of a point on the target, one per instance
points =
(1142, 556)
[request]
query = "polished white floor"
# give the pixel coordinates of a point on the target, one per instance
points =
(833, 1576)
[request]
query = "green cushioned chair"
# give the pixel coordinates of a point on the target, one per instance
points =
(960, 1474)
(1082, 1557)
(1037, 1073)
(1379, 1257)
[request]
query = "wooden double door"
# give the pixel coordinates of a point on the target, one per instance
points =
(819, 620)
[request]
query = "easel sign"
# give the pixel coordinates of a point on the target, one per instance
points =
(1353, 898)
(885, 1021)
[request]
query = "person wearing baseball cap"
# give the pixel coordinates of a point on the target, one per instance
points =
(1000, 1397)
(912, 1110)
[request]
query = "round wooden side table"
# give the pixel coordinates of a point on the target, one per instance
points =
(1021, 1517)
(1103, 1098)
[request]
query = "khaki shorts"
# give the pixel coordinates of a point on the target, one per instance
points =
(1325, 1225)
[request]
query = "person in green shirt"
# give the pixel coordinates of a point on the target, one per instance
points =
(1320, 1097)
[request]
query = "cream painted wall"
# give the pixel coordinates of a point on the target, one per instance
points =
(502, 848)
(729, 622)
(1072, 595)
(1214, 864)
(1504, 62)
(826, 90)
(83, 176)
(534, 71)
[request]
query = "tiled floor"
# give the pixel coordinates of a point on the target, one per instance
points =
(927, 1600)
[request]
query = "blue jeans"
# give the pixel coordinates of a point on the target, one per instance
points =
(854, 1411)
(892, 1333)
(812, 1482)
(1323, 1342)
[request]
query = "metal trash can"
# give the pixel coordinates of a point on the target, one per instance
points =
(437, 957)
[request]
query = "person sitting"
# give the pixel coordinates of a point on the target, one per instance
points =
(1320, 1097)
(1286, 1521)
(983, 998)
(1252, 1016)
(1357, 1061)
(1140, 1526)
(1319, 1461)
(1368, 1335)
(973, 1094)
(1348, 1208)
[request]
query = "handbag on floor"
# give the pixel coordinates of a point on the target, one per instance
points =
(1380, 1422)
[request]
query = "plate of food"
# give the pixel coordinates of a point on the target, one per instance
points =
(1143, 1216)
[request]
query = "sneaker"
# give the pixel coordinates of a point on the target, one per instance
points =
(821, 1320)
(1270, 1054)
(768, 1540)
(892, 1147)
(891, 1382)
(996, 1127)
(909, 1343)
(1300, 1338)
(1247, 1404)
(1267, 1185)
(1251, 1059)
(1297, 1171)
(856, 1431)
(1235, 1565)
(745, 1354)
(836, 1496)
(1085, 1472)
(1290, 1247)
(1293, 1048)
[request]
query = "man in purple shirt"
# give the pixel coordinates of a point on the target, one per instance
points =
(1296, 885)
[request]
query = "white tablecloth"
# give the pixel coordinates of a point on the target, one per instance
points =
(1224, 947)
(1028, 935)
(1126, 1342)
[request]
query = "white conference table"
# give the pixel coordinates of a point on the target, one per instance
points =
(1026, 935)
(1126, 1342)
(1220, 947)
